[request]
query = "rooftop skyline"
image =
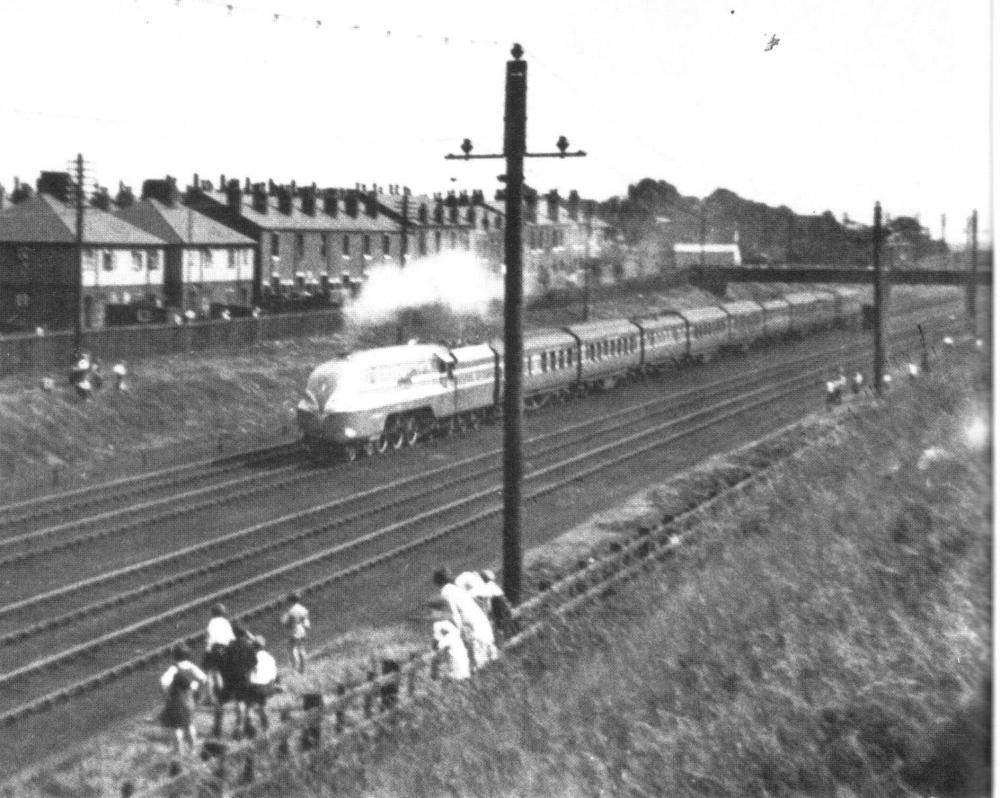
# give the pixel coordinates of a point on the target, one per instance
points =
(818, 106)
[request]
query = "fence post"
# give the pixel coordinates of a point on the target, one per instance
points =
(411, 678)
(312, 704)
(389, 693)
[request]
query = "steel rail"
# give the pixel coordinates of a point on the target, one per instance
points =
(803, 379)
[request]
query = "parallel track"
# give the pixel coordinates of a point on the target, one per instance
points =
(91, 662)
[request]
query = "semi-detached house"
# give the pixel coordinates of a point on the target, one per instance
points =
(39, 258)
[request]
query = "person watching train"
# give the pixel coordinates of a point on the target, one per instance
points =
(471, 621)
(297, 618)
(218, 635)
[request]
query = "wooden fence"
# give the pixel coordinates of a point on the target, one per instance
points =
(53, 351)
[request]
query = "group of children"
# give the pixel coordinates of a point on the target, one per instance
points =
(465, 642)
(226, 641)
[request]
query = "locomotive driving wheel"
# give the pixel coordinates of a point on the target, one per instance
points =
(396, 435)
(381, 444)
(350, 453)
(411, 431)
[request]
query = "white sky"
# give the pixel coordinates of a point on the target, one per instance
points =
(861, 100)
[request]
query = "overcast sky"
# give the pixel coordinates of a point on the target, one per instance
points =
(858, 100)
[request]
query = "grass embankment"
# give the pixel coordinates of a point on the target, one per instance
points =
(829, 635)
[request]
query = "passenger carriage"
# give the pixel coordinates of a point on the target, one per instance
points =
(708, 331)
(664, 340)
(802, 307)
(777, 317)
(609, 351)
(825, 312)
(848, 302)
(746, 323)
(551, 365)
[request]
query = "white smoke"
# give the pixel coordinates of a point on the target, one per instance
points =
(456, 279)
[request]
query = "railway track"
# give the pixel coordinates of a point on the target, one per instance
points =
(104, 645)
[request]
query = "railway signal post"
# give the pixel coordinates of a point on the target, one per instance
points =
(515, 151)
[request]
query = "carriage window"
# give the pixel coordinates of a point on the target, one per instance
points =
(562, 358)
(544, 363)
(552, 361)
(569, 357)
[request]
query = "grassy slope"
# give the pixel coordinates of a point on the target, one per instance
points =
(830, 635)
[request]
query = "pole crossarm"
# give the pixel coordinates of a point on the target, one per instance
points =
(745, 274)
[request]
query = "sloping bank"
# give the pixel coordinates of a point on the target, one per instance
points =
(826, 633)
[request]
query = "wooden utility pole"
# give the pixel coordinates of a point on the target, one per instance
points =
(404, 244)
(80, 202)
(970, 293)
(878, 300)
(514, 152)
(514, 147)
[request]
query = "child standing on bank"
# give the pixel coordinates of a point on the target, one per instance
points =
(297, 618)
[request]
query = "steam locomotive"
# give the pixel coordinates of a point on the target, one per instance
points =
(372, 401)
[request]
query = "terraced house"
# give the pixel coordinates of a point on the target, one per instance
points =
(122, 264)
(303, 238)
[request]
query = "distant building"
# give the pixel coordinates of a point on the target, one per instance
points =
(714, 255)
(122, 264)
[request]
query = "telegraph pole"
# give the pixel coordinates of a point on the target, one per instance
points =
(970, 293)
(515, 151)
(878, 299)
(404, 244)
(78, 325)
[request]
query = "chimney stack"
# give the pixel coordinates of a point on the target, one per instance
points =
(309, 200)
(351, 204)
(284, 200)
(164, 190)
(247, 188)
(552, 200)
(573, 205)
(57, 184)
(234, 197)
(371, 204)
(531, 200)
(330, 205)
(259, 197)
(124, 198)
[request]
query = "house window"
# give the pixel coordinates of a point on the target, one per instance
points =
(90, 260)
(322, 245)
(152, 260)
(300, 245)
(346, 246)
(366, 245)
(136, 260)
(451, 239)
(232, 259)
(437, 240)
(274, 244)
(386, 245)
(206, 258)
(107, 261)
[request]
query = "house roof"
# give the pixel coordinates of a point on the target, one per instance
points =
(180, 225)
(274, 219)
(44, 219)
